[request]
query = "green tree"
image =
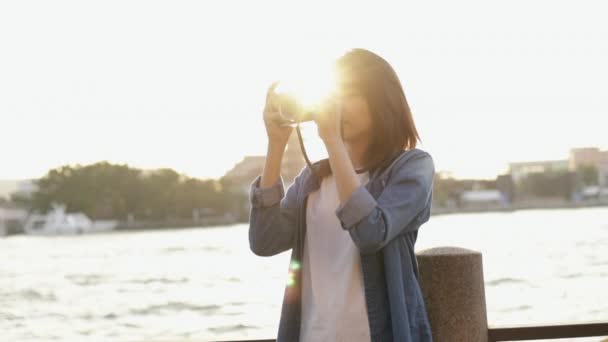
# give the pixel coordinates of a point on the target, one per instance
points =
(108, 191)
(547, 184)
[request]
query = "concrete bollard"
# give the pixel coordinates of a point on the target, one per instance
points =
(452, 284)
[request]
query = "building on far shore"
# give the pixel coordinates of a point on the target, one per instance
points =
(579, 157)
(562, 178)
(590, 156)
(520, 170)
(244, 172)
(483, 199)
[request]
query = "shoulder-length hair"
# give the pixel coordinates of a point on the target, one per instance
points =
(392, 122)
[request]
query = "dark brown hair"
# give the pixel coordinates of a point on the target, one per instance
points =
(393, 125)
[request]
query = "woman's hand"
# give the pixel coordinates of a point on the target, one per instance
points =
(329, 121)
(277, 139)
(329, 125)
(277, 135)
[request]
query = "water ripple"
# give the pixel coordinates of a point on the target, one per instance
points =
(571, 275)
(9, 317)
(159, 280)
(517, 308)
(501, 281)
(175, 306)
(230, 328)
(173, 249)
(86, 279)
(31, 294)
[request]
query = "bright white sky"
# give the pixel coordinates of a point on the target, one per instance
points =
(181, 84)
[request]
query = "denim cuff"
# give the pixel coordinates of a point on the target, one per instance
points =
(356, 208)
(267, 196)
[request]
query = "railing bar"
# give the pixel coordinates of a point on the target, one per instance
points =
(250, 341)
(530, 332)
(538, 332)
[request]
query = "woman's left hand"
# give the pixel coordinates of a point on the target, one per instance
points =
(329, 121)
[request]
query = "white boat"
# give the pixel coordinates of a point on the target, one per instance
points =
(57, 221)
(11, 220)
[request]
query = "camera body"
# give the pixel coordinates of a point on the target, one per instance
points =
(291, 111)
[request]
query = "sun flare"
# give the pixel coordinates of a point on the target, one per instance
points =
(310, 83)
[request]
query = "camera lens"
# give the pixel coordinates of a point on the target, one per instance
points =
(288, 108)
(291, 110)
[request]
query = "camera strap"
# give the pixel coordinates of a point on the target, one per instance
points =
(310, 165)
(304, 151)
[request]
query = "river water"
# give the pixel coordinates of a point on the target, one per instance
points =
(540, 266)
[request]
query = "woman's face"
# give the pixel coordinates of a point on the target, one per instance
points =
(356, 117)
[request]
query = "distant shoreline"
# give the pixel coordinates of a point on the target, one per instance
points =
(176, 224)
(434, 212)
(520, 206)
(220, 222)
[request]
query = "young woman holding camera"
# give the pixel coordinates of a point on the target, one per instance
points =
(352, 219)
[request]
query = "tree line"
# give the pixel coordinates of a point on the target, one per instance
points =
(110, 191)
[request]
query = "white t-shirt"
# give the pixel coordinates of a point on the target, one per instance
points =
(333, 299)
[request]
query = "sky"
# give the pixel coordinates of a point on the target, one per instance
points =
(182, 84)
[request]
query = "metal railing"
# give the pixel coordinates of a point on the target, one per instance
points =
(462, 315)
(542, 332)
(532, 332)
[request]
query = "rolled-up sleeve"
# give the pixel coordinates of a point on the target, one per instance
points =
(359, 205)
(266, 196)
(373, 223)
(273, 216)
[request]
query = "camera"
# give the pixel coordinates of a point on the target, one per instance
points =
(292, 111)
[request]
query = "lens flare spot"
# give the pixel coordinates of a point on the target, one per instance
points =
(290, 279)
(295, 265)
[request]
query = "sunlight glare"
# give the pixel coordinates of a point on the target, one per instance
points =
(312, 81)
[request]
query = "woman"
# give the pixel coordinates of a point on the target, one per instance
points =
(352, 222)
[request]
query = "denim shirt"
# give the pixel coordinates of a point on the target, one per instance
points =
(382, 217)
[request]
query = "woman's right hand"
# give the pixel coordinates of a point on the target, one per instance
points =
(277, 135)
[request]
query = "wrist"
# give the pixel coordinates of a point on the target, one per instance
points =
(272, 166)
(275, 147)
(332, 141)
